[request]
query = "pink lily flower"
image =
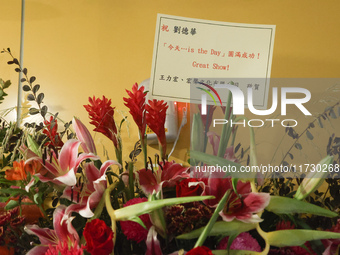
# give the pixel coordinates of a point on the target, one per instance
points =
(63, 232)
(166, 175)
(214, 140)
(153, 246)
(62, 169)
(84, 136)
(88, 196)
(243, 207)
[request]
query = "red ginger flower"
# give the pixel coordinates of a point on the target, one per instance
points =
(101, 114)
(155, 119)
(136, 104)
(133, 230)
(52, 133)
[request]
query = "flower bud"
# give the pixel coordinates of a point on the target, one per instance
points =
(313, 180)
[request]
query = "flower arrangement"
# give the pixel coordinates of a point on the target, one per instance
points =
(59, 197)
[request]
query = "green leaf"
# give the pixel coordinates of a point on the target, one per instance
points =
(320, 123)
(7, 84)
(139, 221)
(26, 88)
(33, 146)
(33, 111)
(32, 79)
(332, 114)
(297, 237)
(11, 204)
(234, 183)
(13, 191)
(285, 205)
(309, 135)
(36, 88)
(131, 211)
(298, 146)
(40, 98)
(30, 97)
(157, 216)
(221, 228)
(207, 229)
(197, 133)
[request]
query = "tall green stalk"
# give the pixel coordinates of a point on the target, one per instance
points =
(225, 129)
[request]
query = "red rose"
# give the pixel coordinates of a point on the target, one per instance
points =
(189, 187)
(98, 237)
(200, 250)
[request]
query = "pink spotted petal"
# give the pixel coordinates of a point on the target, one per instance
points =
(29, 185)
(68, 179)
(153, 246)
(68, 154)
(148, 181)
(214, 140)
(63, 226)
(172, 172)
(83, 135)
(38, 250)
(46, 236)
(84, 156)
(106, 164)
(92, 172)
(256, 202)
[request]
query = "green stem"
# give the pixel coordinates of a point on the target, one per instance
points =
(252, 150)
(119, 157)
(143, 138)
(99, 209)
(224, 139)
(206, 129)
(212, 220)
(111, 211)
(131, 180)
(44, 213)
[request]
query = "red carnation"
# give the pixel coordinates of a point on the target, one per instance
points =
(98, 237)
(101, 114)
(133, 230)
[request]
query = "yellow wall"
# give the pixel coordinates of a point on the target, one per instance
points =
(81, 48)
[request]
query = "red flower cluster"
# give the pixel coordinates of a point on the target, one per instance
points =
(98, 237)
(133, 230)
(152, 114)
(155, 119)
(63, 249)
(184, 218)
(136, 104)
(51, 131)
(10, 224)
(101, 114)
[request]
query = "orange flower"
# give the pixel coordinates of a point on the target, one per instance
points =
(20, 170)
